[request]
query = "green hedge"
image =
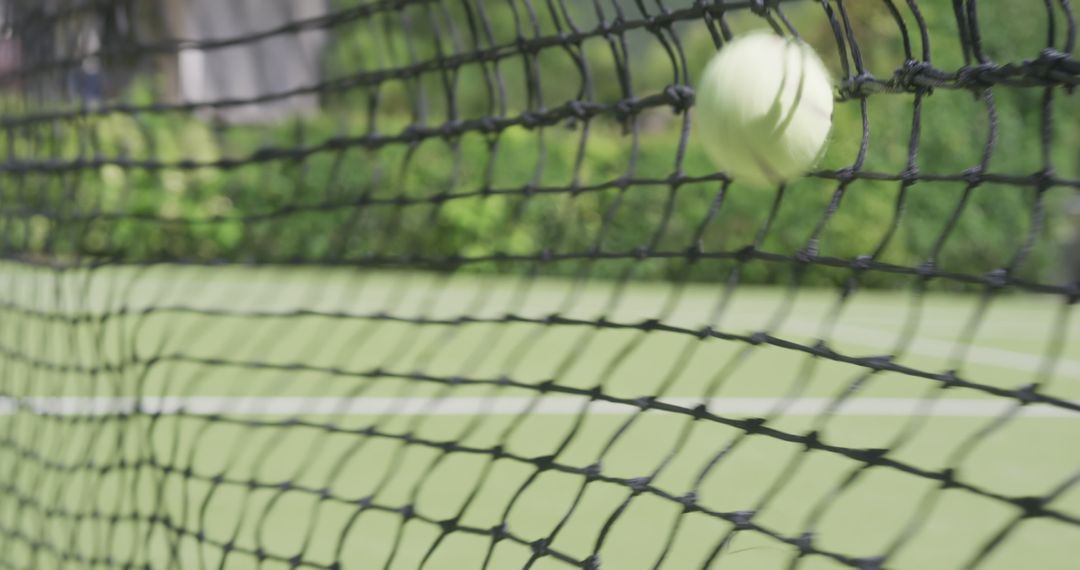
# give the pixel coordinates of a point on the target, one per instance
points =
(320, 206)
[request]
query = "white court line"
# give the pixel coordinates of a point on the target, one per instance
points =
(1023, 362)
(466, 406)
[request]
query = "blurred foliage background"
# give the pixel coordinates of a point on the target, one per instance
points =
(180, 185)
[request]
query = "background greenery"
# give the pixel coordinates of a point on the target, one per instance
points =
(351, 203)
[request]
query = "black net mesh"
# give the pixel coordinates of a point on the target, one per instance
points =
(450, 284)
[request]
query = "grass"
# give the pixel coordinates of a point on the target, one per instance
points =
(162, 318)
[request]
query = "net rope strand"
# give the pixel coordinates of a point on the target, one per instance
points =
(74, 322)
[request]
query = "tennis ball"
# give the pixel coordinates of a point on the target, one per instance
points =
(764, 108)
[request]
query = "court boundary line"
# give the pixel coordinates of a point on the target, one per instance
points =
(946, 349)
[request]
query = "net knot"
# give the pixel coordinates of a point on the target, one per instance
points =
(525, 46)
(762, 7)
(871, 456)
(1032, 506)
(693, 252)
(654, 24)
(950, 379)
(488, 125)
(753, 425)
(645, 402)
(544, 462)
(862, 262)
(973, 176)
(1027, 394)
(1049, 63)
(592, 472)
(680, 97)
(844, 175)
(689, 502)
(499, 532)
(745, 254)
(977, 77)
(880, 362)
(1044, 178)
(596, 392)
(743, 519)
(452, 129)
(910, 175)
(948, 478)
(639, 484)
(806, 254)
(927, 268)
(448, 525)
(997, 278)
(909, 76)
(577, 109)
(530, 120)
(805, 543)
(859, 86)
(592, 562)
(871, 563)
(411, 133)
(539, 547)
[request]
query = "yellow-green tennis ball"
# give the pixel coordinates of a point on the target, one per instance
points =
(764, 108)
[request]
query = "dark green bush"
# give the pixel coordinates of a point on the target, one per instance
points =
(478, 196)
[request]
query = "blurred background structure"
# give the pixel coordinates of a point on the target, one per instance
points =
(279, 63)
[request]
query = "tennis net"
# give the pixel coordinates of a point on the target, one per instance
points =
(450, 284)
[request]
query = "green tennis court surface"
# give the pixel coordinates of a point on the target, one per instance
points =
(458, 284)
(182, 417)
